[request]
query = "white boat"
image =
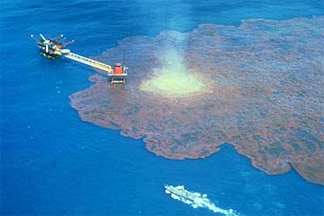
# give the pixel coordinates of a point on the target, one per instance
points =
(195, 199)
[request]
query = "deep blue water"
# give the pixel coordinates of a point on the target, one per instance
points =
(52, 163)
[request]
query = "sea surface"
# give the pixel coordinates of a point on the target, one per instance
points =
(52, 163)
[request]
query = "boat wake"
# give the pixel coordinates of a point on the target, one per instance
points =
(196, 200)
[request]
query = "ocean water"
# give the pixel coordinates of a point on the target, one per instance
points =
(52, 163)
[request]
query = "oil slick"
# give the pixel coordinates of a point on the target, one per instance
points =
(265, 94)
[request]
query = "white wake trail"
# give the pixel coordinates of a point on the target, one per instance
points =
(196, 200)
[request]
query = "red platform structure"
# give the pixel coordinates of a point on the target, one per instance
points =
(118, 74)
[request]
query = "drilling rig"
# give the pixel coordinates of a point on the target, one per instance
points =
(55, 47)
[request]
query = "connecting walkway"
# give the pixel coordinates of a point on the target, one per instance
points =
(88, 61)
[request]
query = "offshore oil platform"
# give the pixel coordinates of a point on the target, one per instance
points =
(55, 47)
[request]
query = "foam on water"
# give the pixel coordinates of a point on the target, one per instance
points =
(174, 78)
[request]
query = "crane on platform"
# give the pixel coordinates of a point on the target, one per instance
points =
(55, 47)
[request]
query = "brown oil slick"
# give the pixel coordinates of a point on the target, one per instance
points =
(260, 89)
